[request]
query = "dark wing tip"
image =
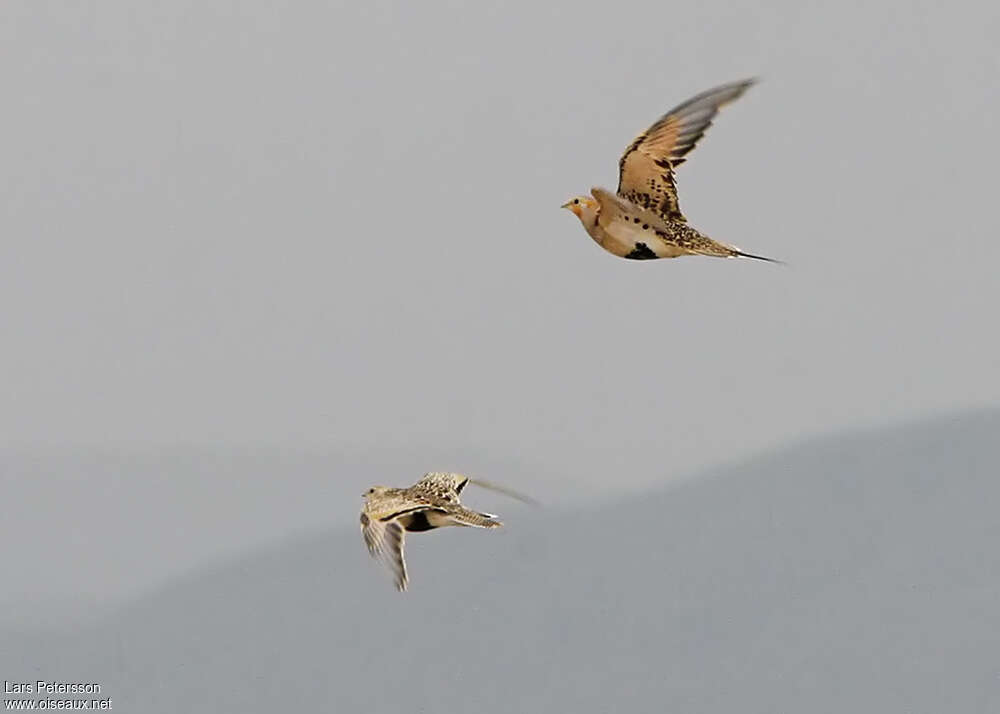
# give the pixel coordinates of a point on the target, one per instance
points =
(742, 84)
(745, 84)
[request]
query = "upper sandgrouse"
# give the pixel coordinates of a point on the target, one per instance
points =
(644, 220)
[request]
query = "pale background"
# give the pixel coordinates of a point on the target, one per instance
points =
(256, 258)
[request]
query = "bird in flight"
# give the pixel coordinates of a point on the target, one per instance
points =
(432, 502)
(643, 220)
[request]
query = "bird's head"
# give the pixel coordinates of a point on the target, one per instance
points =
(583, 207)
(374, 491)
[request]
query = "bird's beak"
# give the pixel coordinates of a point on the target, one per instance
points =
(573, 208)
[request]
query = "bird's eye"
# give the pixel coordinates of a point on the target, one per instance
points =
(576, 200)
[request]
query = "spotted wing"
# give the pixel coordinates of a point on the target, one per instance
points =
(443, 486)
(385, 542)
(646, 169)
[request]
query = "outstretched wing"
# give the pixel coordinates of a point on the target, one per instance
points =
(646, 169)
(385, 542)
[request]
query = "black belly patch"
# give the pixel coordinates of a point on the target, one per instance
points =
(417, 522)
(641, 252)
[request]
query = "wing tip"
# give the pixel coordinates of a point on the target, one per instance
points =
(740, 86)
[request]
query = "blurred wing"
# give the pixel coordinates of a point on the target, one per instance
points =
(646, 169)
(385, 542)
(505, 491)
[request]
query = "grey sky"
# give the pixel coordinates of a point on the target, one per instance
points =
(256, 256)
(854, 573)
(336, 227)
(338, 224)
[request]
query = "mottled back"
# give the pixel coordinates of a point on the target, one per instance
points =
(440, 485)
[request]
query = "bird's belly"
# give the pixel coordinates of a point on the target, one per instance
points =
(419, 521)
(425, 521)
(617, 239)
(635, 242)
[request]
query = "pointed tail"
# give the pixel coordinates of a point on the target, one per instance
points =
(461, 516)
(741, 254)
